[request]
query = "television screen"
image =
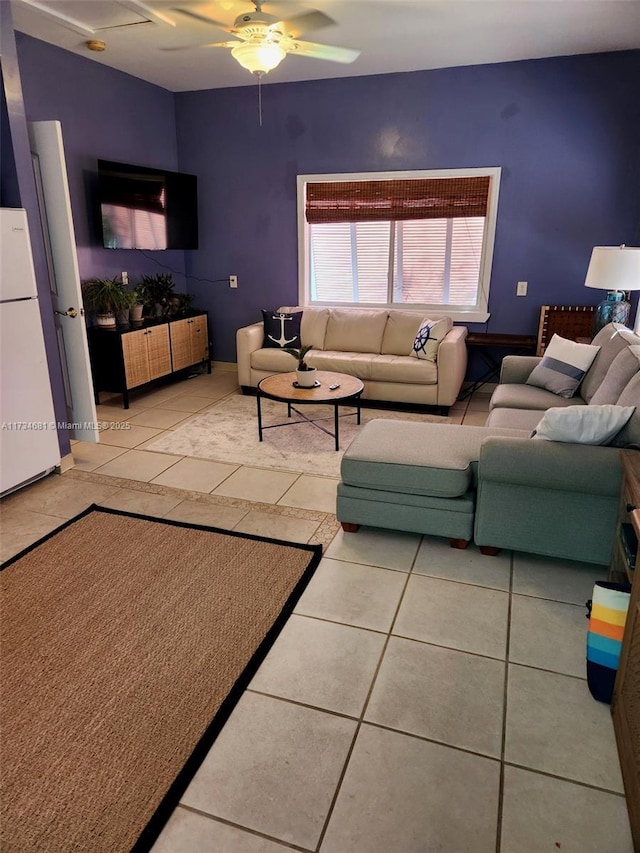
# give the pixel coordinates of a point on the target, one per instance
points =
(144, 208)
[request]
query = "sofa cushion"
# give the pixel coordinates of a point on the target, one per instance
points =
(355, 331)
(611, 339)
(525, 419)
(563, 366)
(583, 424)
(397, 368)
(281, 329)
(429, 337)
(623, 367)
(529, 397)
(272, 359)
(629, 435)
(400, 332)
(416, 458)
(314, 325)
(356, 364)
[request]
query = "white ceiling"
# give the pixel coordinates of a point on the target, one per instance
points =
(393, 35)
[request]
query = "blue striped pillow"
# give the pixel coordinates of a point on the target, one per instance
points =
(563, 366)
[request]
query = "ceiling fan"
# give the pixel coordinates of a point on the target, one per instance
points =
(265, 40)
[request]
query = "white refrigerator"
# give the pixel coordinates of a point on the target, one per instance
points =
(28, 437)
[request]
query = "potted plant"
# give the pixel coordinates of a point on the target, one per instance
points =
(106, 297)
(306, 375)
(137, 305)
(158, 292)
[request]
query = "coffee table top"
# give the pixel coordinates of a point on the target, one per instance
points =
(280, 387)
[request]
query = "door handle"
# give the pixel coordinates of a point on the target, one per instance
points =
(70, 312)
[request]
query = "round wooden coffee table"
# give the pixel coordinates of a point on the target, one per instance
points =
(280, 387)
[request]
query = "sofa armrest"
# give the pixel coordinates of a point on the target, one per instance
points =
(584, 468)
(452, 365)
(516, 369)
(248, 340)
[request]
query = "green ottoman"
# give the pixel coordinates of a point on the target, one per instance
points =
(418, 477)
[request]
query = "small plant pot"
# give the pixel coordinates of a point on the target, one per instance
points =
(122, 317)
(306, 378)
(135, 312)
(108, 319)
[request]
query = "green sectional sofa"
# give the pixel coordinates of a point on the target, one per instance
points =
(494, 483)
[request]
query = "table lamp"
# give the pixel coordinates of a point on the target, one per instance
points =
(616, 269)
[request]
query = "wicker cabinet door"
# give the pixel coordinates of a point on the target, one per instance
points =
(136, 361)
(199, 339)
(159, 351)
(180, 344)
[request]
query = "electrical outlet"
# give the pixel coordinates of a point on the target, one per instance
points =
(233, 281)
(521, 289)
(125, 277)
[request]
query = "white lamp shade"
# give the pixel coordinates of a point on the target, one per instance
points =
(614, 268)
(258, 57)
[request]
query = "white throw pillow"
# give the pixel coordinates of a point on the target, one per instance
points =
(583, 424)
(563, 366)
(429, 336)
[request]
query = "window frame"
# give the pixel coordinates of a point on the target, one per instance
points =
(478, 314)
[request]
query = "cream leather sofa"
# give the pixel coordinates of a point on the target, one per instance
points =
(374, 345)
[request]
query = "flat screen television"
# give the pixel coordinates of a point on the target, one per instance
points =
(143, 208)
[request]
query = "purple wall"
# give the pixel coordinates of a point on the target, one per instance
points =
(564, 130)
(104, 114)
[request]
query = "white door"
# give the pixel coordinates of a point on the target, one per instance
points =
(55, 209)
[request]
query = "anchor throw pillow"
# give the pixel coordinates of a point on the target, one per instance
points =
(281, 330)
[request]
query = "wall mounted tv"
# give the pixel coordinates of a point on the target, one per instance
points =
(144, 208)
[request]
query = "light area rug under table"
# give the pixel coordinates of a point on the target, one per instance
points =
(228, 432)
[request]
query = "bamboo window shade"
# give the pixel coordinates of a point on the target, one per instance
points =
(402, 199)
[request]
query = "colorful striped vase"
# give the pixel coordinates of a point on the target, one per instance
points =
(607, 616)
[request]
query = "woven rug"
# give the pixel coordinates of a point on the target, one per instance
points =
(228, 432)
(126, 642)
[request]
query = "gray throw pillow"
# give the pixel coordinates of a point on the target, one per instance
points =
(563, 366)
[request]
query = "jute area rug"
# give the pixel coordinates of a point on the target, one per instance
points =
(228, 432)
(126, 642)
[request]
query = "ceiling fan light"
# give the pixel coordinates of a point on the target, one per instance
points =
(258, 58)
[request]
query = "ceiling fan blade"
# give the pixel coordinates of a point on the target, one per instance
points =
(197, 46)
(305, 23)
(323, 51)
(198, 17)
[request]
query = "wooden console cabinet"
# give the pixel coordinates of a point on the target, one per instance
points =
(625, 705)
(126, 358)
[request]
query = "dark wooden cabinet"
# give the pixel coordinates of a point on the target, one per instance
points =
(625, 705)
(128, 357)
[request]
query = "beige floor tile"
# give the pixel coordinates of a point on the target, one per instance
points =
(374, 547)
(310, 492)
(554, 725)
(193, 512)
(542, 813)
(463, 705)
(188, 832)
(284, 527)
(21, 528)
(138, 465)
(438, 559)
(158, 418)
(197, 475)
(475, 418)
(130, 500)
(257, 484)
(405, 795)
(130, 437)
(59, 496)
(322, 664)
(548, 634)
(88, 456)
(274, 768)
(363, 596)
(456, 615)
(186, 403)
(114, 412)
(479, 403)
(561, 580)
(155, 397)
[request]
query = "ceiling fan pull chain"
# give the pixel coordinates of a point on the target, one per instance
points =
(260, 97)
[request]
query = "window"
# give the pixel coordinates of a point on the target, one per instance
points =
(416, 239)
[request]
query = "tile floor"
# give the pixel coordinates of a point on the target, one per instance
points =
(419, 699)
